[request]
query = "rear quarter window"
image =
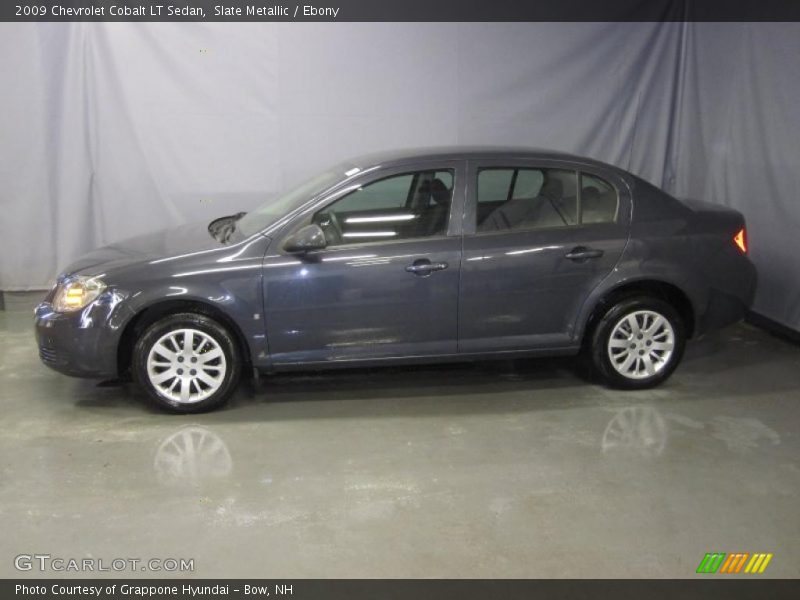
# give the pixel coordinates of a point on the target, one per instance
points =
(599, 200)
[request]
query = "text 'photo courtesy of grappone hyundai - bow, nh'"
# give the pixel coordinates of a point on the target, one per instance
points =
(449, 254)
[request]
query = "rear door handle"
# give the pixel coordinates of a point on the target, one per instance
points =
(425, 267)
(581, 253)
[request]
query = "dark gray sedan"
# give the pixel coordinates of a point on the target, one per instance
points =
(433, 255)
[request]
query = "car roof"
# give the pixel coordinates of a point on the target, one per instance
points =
(408, 155)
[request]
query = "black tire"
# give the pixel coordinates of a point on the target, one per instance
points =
(227, 371)
(599, 350)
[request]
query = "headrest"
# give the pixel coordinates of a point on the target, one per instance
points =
(439, 192)
(553, 189)
(435, 190)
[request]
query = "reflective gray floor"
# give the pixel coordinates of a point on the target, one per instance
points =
(491, 470)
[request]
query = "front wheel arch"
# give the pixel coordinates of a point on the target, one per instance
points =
(187, 363)
(151, 313)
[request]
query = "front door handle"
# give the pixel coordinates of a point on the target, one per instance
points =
(581, 253)
(424, 267)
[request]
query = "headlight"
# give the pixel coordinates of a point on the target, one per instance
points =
(76, 292)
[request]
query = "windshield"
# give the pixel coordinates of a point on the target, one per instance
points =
(272, 210)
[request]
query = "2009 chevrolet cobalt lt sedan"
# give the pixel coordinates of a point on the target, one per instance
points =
(433, 255)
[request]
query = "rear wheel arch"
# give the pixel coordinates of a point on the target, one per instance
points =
(655, 288)
(638, 343)
(151, 313)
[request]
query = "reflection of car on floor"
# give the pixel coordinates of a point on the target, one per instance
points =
(452, 254)
(638, 429)
(191, 456)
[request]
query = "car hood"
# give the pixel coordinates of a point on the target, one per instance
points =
(176, 241)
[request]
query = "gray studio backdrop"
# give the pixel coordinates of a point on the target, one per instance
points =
(108, 130)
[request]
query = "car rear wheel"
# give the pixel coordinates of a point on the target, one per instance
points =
(638, 343)
(187, 363)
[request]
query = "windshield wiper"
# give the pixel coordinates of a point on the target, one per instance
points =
(222, 229)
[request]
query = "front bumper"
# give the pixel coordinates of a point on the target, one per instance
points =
(82, 343)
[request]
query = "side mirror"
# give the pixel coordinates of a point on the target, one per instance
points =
(309, 237)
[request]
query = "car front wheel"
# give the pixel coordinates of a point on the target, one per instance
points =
(187, 363)
(638, 343)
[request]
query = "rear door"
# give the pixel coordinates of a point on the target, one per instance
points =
(387, 283)
(538, 238)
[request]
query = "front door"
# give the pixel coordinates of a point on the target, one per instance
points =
(385, 286)
(538, 238)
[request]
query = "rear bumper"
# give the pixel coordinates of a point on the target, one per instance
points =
(80, 344)
(730, 305)
(723, 310)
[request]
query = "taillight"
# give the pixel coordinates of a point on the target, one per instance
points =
(740, 239)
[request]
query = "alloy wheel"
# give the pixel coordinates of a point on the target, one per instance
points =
(186, 365)
(641, 344)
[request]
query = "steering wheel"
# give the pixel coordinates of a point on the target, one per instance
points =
(329, 223)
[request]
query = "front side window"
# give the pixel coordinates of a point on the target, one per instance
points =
(410, 205)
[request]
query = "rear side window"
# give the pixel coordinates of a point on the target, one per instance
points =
(526, 199)
(494, 185)
(530, 198)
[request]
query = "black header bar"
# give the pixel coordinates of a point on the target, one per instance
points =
(399, 10)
